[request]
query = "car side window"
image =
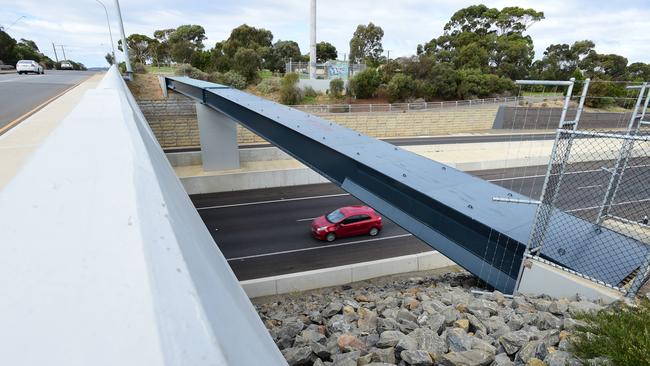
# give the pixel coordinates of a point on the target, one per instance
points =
(363, 217)
(350, 220)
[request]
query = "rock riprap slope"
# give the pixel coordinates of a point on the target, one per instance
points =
(429, 320)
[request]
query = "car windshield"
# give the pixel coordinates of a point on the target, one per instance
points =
(24, 62)
(335, 217)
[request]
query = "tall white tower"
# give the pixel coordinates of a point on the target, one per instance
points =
(312, 40)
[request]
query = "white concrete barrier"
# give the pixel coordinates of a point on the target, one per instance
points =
(336, 276)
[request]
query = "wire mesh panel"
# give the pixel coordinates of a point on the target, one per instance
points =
(600, 177)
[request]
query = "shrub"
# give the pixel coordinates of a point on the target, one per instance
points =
(191, 71)
(247, 62)
(336, 88)
(364, 84)
(269, 85)
(309, 92)
(138, 68)
(234, 79)
(472, 83)
(401, 87)
(215, 77)
(289, 91)
(620, 334)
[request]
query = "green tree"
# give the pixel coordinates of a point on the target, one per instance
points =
(7, 48)
(492, 40)
(365, 45)
(281, 53)
(561, 61)
(639, 71)
(184, 41)
(247, 62)
(109, 58)
(609, 66)
(325, 51)
(249, 37)
(139, 47)
(364, 84)
(401, 87)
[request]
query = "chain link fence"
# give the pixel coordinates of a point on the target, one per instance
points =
(601, 178)
(403, 107)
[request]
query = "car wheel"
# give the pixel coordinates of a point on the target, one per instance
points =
(330, 237)
(373, 232)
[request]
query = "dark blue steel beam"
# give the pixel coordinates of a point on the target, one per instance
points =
(450, 210)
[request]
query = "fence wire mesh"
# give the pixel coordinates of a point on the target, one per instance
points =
(600, 176)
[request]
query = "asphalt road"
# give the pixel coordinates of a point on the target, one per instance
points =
(428, 140)
(19, 94)
(266, 232)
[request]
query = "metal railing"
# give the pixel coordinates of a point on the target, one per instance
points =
(402, 107)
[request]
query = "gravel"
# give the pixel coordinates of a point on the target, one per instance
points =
(435, 319)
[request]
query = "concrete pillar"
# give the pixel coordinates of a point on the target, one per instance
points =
(218, 136)
(312, 40)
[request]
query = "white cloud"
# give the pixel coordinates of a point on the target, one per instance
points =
(615, 26)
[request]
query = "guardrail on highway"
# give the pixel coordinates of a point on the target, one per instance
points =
(104, 259)
(401, 107)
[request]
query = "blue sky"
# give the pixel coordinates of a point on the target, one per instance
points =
(615, 26)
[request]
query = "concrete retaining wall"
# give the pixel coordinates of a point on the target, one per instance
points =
(530, 118)
(173, 121)
(342, 275)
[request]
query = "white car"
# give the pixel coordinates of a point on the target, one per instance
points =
(27, 66)
(65, 65)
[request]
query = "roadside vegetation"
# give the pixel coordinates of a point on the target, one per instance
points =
(12, 51)
(480, 53)
(622, 335)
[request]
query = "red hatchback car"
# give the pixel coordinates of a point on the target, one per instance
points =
(346, 221)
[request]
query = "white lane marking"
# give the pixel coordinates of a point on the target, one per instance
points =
(594, 186)
(307, 219)
(274, 201)
(347, 194)
(614, 204)
(318, 248)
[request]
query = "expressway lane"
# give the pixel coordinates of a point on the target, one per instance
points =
(503, 136)
(266, 232)
(20, 94)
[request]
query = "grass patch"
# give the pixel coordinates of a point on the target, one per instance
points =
(161, 69)
(265, 74)
(622, 335)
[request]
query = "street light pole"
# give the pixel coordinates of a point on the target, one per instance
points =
(125, 46)
(110, 33)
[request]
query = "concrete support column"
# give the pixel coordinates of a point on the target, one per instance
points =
(218, 136)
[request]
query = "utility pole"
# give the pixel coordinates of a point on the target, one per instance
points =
(312, 40)
(56, 57)
(125, 46)
(388, 57)
(63, 50)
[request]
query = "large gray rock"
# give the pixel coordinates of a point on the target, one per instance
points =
(577, 307)
(559, 307)
(308, 336)
(513, 341)
(535, 349)
(475, 324)
(346, 359)
(385, 324)
(384, 355)
(429, 341)
(467, 358)
(482, 345)
(547, 320)
(333, 308)
(417, 357)
(389, 338)
(502, 359)
(458, 340)
(561, 358)
(403, 314)
(571, 324)
(367, 320)
(482, 305)
(406, 343)
(297, 355)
